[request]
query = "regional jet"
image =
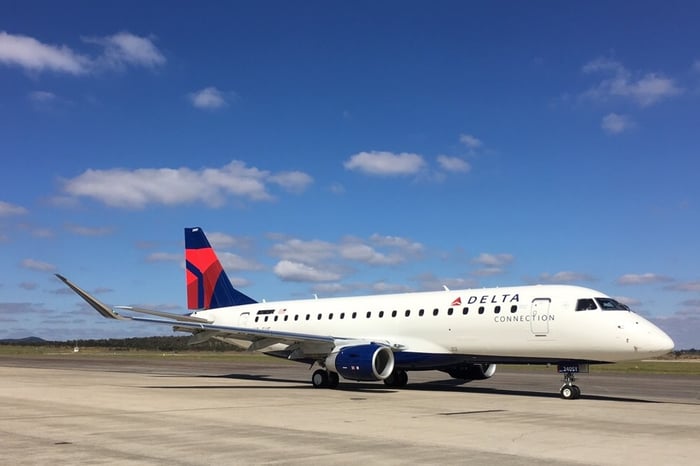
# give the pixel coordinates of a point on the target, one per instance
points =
(464, 333)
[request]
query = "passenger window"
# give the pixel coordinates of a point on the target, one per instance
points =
(256, 318)
(369, 314)
(265, 318)
(342, 315)
(286, 318)
(276, 318)
(408, 312)
(421, 312)
(435, 312)
(586, 305)
(465, 311)
(481, 309)
(308, 316)
(393, 313)
(381, 314)
(330, 316)
(513, 308)
(497, 310)
(296, 317)
(319, 317)
(354, 314)
(450, 311)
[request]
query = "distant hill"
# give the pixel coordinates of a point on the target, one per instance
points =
(24, 341)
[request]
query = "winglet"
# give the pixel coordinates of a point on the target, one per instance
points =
(104, 310)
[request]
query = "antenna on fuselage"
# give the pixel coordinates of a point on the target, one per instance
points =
(445, 287)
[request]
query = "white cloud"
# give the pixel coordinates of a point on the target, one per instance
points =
(222, 240)
(230, 261)
(124, 49)
(645, 91)
(209, 98)
(169, 186)
(298, 272)
(7, 209)
(313, 251)
(564, 277)
(493, 260)
(642, 279)
(385, 163)
(384, 287)
(42, 96)
(613, 123)
(32, 55)
(359, 252)
(687, 286)
(33, 264)
(453, 164)
(397, 242)
(88, 231)
(119, 51)
(470, 141)
(164, 257)
(294, 181)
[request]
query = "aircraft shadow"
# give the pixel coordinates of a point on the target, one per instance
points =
(448, 385)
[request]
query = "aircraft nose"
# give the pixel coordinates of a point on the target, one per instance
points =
(665, 343)
(658, 342)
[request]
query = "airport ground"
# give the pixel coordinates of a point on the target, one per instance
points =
(70, 409)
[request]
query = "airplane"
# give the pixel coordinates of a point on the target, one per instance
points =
(464, 333)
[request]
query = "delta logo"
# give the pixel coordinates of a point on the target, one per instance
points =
(457, 302)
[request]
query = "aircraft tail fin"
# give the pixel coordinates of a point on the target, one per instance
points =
(208, 286)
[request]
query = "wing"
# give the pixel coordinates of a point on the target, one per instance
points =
(260, 338)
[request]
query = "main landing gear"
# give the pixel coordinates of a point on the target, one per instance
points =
(569, 391)
(397, 379)
(325, 379)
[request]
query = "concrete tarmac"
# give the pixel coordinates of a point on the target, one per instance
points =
(102, 410)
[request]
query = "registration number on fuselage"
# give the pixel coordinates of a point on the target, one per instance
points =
(573, 368)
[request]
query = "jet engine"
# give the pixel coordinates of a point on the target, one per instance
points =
(362, 362)
(472, 371)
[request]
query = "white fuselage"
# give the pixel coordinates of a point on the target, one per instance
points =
(537, 323)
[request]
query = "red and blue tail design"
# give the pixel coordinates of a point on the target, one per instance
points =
(208, 286)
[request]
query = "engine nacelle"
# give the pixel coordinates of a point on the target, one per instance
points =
(472, 371)
(362, 362)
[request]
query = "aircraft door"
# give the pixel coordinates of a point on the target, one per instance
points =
(539, 317)
(243, 319)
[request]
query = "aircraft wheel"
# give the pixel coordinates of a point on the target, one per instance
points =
(402, 378)
(568, 392)
(398, 378)
(333, 379)
(320, 378)
(577, 391)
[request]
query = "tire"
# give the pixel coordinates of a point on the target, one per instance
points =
(320, 379)
(333, 380)
(567, 392)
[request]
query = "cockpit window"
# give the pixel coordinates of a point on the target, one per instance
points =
(586, 305)
(609, 304)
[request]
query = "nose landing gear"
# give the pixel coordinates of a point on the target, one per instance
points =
(569, 391)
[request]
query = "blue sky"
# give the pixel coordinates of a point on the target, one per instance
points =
(345, 148)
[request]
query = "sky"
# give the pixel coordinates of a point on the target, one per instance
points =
(345, 148)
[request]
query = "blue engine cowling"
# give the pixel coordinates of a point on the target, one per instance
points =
(362, 362)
